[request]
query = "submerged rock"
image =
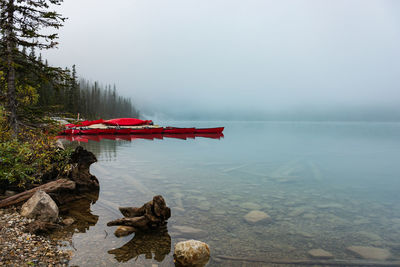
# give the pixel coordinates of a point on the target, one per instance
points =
(124, 231)
(256, 216)
(204, 205)
(40, 206)
(320, 254)
(68, 221)
(330, 206)
(187, 231)
(191, 253)
(370, 253)
(250, 206)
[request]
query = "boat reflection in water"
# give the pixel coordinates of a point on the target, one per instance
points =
(131, 137)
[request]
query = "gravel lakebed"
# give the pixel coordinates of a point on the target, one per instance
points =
(19, 248)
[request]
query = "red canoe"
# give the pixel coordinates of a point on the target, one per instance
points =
(89, 131)
(209, 130)
(127, 122)
(123, 131)
(107, 131)
(176, 130)
(147, 131)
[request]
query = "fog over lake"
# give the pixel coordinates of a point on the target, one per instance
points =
(230, 59)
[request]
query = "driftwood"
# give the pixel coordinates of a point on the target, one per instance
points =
(150, 216)
(54, 186)
(64, 190)
(80, 174)
(312, 262)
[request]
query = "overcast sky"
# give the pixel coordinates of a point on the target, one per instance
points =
(225, 56)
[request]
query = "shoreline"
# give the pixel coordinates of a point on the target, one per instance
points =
(20, 248)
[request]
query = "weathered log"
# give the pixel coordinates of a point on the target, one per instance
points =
(311, 262)
(50, 187)
(152, 215)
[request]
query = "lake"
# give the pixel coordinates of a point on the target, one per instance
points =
(323, 185)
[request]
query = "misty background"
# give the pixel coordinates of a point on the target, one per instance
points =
(231, 59)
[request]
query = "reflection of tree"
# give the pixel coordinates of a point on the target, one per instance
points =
(80, 211)
(105, 150)
(147, 243)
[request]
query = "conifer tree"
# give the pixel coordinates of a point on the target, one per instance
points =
(21, 22)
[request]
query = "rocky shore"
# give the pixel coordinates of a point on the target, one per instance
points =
(20, 248)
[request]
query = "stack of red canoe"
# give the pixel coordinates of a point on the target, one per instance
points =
(130, 126)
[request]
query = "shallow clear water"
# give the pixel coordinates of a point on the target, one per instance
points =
(324, 185)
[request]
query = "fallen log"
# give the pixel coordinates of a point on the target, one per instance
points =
(152, 215)
(312, 262)
(50, 187)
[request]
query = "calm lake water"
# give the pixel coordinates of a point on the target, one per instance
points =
(324, 185)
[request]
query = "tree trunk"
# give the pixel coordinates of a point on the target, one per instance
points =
(10, 43)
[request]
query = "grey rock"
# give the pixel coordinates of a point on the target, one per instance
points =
(40, 206)
(191, 253)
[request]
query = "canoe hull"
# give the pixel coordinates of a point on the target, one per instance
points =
(209, 130)
(175, 130)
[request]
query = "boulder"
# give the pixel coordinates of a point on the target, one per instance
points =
(191, 253)
(40, 206)
(256, 216)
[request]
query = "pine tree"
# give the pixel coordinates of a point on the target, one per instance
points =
(20, 25)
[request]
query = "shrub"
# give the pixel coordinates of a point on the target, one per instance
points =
(26, 158)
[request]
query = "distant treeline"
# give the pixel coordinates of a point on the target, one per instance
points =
(90, 99)
(64, 94)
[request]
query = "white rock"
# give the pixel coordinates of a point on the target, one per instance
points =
(371, 253)
(191, 253)
(40, 206)
(256, 216)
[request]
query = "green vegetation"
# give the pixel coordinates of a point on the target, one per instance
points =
(27, 158)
